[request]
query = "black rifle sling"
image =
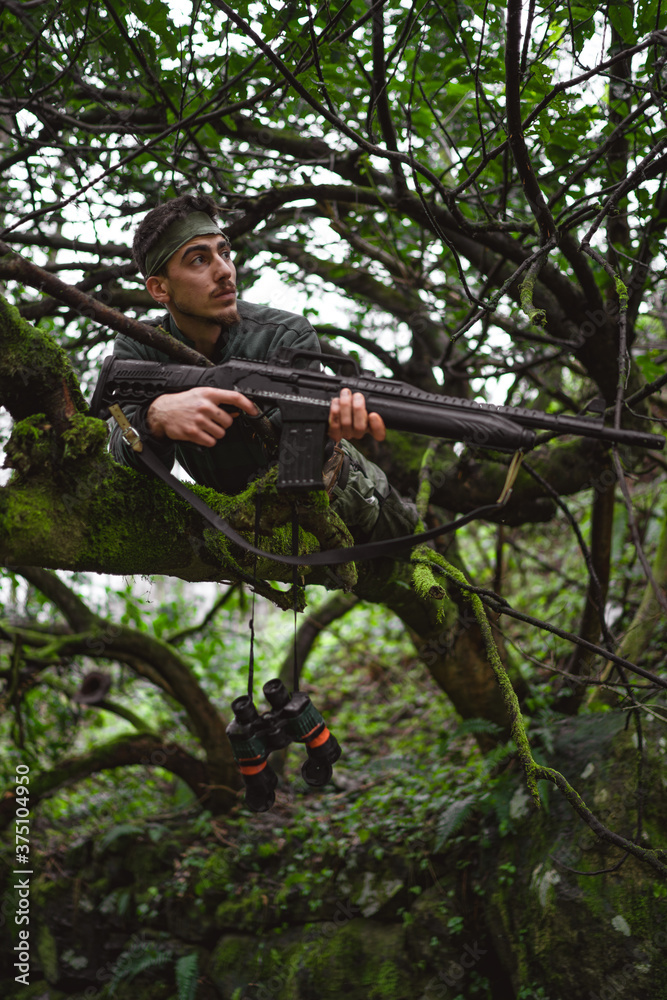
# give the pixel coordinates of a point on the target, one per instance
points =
(332, 557)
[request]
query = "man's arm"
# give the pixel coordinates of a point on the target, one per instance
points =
(196, 415)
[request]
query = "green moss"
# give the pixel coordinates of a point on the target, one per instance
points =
(109, 537)
(423, 497)
(339, 960)
(230, 953)
(242, 912)
(28, 431)
(281, 541)
(30, 445)
(32, 515)
(621, 291)
(424, 581)
(80, 452)
(355, 962)
(319, 528)
(32, 363)
(85, 437)
(236, 961)
(526, 289)
(215, 874)
(518, 728)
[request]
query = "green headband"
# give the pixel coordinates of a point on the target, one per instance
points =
(175, 235)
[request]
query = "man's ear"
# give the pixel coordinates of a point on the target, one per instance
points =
(158, 288)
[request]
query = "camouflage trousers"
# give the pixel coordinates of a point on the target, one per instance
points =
(371, 509)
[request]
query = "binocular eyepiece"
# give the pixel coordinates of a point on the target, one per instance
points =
(291, 718)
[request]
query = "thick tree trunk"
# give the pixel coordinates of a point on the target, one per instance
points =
(447, 639)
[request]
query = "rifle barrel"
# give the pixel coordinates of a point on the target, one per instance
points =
(402, 406)
(391, 390)
(562, 423)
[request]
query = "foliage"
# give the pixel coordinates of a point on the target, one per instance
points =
(407, 761)
(457, 195)
(187, 968)
(141, 956)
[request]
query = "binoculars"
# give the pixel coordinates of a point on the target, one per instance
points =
(291, 718)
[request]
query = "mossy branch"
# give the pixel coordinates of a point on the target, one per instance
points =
(535, 772)
(17, 267)
(423, 580)
(146, 750)
(113, 707)
(656, 859)
(106, 639)
(35, 373)
(517, 727)
(537, 317)
(125, 713)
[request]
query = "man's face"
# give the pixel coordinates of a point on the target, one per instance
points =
(200, 283)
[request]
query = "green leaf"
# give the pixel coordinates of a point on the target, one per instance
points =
(187, 972)
(121, 830)
(453, 819)
(620, 15)
(647, 364)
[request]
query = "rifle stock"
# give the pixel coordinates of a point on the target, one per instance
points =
(303, 396)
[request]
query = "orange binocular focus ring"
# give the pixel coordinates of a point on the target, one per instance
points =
(252, 769)
(317, 741)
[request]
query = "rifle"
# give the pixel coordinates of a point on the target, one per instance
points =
(303, 396)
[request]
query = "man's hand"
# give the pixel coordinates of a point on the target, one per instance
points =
(348, 418)
(195, 415)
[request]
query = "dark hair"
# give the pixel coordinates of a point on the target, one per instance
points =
(152, 226)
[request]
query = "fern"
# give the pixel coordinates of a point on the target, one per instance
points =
(118, 831)
(141, 956)
(187, 971)
(453, 819)
(475, 726)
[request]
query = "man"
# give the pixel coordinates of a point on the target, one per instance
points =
(185, 258)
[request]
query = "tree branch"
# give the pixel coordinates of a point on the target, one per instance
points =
(516, 139)
(85, 305)
(380, 97)
(147, 750)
